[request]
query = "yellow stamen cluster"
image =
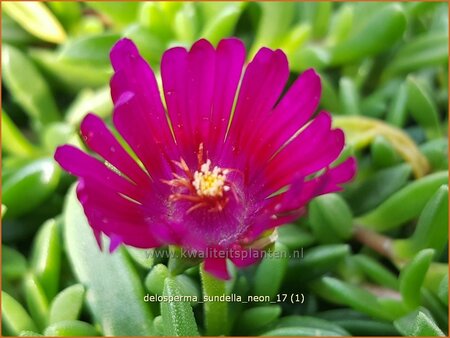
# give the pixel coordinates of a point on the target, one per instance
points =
(210, 183)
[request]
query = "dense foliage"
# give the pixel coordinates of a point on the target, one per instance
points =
(374, 258)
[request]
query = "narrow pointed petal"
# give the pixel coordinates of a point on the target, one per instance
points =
(230, 57)
(139, 115)
(135, 223)
(290, 115)
(156, 155)
(244, 257)
(313, 149)
(296, 162)
(102, 141)
(261, 87)
(80, 164)
(114, 242)
(98, 238)
(302, 191)
(217, 267)
(189, 87)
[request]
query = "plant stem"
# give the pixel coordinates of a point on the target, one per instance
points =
(216, 313)
(380, 243)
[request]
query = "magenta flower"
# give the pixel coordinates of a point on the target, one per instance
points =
(207, 175)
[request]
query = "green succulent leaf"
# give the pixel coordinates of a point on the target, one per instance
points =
(423, 51)
(443, 290)
(40, 176)
(311, 322)
(349, 97)
(330, 218)
(104, 275)
(28, 87)
(69, 328)
(68, 13)
(257, 318)
(36, 299)
(412, 277)
(151, 16)
(355, 297)
(423, 108)
(383, 153)
(177, 316)
(14, 142)
(432, 226)
(377, 188)
(155, 279)
(37, 19)
(406, 204)
(150, 45)
(13, 33)
(189, 287)
(376, 271)
(185, 23)
(98, 101)
(67, 304)
(27, 333)
(372, 39)
(273, 24)
(359, 327)
(301, 332)
(418, 323)
(341, 24)
(436, 152)
(71, 75)
(294, 237)
(92, 50)
(216, 312)
(46, 257)
(14, 264)
(398, 112)
(223, 23)
(14, 316)
(158, 324)
(119, 14)
(143, 257)
(275, 266)
(316, 262)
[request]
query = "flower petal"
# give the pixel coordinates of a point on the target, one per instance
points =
(98, 137)
(338, 175)
(154, 153)
(114, 242)
(98, 238)
(290, 204)
(262, 85)
(217, 267)
(230, 57)
(80, 164)
(130, 222)
(139, 115)
(242, 257)
(173, 74)
(101, 197)
(291, 113)
(313, 149)
(297, 105)
(188, 81)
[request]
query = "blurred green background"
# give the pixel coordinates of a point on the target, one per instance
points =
(376, 255)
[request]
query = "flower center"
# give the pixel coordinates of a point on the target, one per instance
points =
(209, 183)
(205, 188)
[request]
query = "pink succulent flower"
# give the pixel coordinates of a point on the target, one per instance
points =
(205, 172)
